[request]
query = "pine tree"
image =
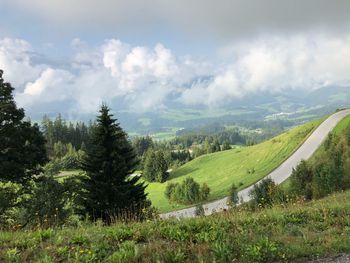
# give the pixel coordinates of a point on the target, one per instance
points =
(149, 167)
(22, 145)
(226, 145)
(108, 165)
(161, 167)
(155, 166)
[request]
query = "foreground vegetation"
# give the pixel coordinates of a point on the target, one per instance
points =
(293, 231)
(242, 166)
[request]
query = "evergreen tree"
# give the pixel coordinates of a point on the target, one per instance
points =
(142, 144)
(226, 145)
(155, 166)
(108, 165)
(216, 146)
(149, 167)
(22, 146)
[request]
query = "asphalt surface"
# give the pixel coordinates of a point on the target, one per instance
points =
(280, 174)
(344, 258)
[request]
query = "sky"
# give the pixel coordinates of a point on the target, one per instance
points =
(69, 56)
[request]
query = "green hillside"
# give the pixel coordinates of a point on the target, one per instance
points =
(219, 170)
(280, 234)
(338, 130)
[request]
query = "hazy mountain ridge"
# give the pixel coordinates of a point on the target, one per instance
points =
(292, 105)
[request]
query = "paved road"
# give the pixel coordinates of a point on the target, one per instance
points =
(278, 175)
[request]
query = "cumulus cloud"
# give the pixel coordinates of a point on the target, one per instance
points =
(276, 64)
(16, 58)
(142, 76)
(147, 78)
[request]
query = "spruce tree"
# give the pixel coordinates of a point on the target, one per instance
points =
(155, 166)
(109, 162)
(22, 145)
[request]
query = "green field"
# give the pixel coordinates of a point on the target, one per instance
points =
(280, 234)
(219, 170)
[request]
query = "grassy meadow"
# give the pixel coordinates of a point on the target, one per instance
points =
(242, 166)
(283, 233)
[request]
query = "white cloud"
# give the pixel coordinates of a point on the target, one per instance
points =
(147, 78)
(53, 85)
(144, 77)
(276, 64)
(15, 58)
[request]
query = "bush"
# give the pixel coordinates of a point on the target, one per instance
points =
(188, 192)
(191, 190)
(199, 210)
(233, 196)
(47, 203)
(204, 192)
(169, 190)
(263, 193)
(301, 179)
(8, 201)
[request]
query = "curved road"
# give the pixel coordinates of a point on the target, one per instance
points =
(280, 174)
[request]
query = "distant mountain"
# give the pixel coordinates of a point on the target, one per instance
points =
(296, 105)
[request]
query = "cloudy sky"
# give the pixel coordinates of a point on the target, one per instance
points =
(70, 55)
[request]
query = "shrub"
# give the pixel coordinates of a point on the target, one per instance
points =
(188, 192)
(46, 203)
(169, 190)
(233, 196)
(263, 193)
(191, 190)
(301, 179)
(8, 200)
(204, 192)
(199, 210)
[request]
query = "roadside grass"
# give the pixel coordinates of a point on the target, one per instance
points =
(295, 231)
(243, 166)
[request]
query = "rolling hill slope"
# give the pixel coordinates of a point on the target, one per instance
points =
(336, 122)
(243, 166)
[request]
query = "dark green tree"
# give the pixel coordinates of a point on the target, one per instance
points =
(109, 163)
(216, 146)
(142, 144)
(22, 145)
(155, 166)
(226, 145)
(301, 180)
(149, 168)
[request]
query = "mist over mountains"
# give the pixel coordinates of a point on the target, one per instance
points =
(295, 106)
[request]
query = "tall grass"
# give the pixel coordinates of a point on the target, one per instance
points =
(289, 232)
